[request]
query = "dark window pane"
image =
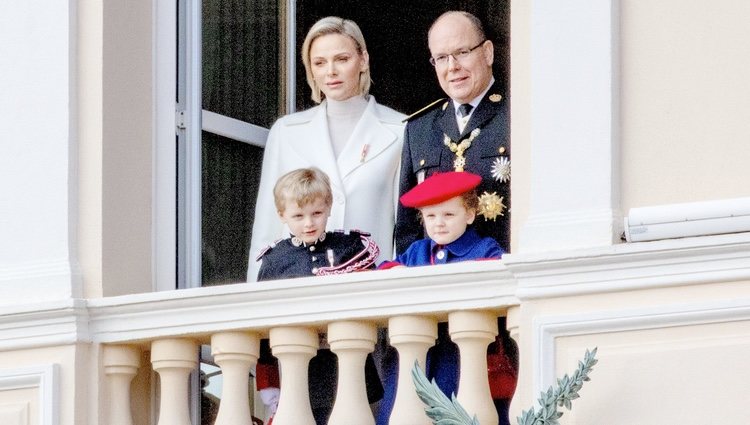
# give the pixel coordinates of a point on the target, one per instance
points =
(231, 173)
(241, 60)
(396, 36)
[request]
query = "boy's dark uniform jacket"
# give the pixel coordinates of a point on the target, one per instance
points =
(424, 150)
(351, 252)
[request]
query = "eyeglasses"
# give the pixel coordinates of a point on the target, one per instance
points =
(458, 55)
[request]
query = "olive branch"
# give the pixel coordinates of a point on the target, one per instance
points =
(439, 408)
(566, 391)
(444, 411)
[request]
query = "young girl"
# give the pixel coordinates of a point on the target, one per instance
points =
(448, 205)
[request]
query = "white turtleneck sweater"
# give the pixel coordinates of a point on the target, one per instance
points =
(343, 116)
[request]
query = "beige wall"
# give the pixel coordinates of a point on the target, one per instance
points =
(19, 406)
(520, 70)
(687, 375)
(687, 372)
(74, 370)
(127, 147)
(115, 148)
(685, 101)
(90, 146)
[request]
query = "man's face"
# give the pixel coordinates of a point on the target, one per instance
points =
(307, 222)
(466, 78)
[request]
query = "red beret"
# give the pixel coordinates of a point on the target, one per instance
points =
(440, 187)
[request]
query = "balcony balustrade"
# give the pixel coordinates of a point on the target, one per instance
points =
(233, 319)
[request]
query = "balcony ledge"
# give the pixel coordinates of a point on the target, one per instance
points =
(371, 295)
(493, 285)
(631, 266)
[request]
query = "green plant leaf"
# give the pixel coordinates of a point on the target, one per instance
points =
(440, 409)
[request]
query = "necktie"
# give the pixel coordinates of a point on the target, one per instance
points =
(465, 109)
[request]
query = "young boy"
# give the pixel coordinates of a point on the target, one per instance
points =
(303, 200)
(448, 205)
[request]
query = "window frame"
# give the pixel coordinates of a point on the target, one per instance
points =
(179, 120)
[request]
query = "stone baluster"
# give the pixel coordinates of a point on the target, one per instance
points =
(351, 341)
(121, 363)
(412, 336)
(174, 359)
(473, 331)
(236, 353)
(294, 347)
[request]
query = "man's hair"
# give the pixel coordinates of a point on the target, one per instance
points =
(302, 186)
(334, 25)
(476, 23)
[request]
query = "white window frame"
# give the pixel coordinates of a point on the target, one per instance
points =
(186, 120)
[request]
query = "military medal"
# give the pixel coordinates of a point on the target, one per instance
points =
(459, 148)
(501, 169)
(491, 206)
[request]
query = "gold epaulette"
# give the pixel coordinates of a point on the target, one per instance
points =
(423, 110)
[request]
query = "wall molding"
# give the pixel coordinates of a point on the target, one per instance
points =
(44, 324)
(633, 266)
(42, 281)
(545, 329)
(43, 377)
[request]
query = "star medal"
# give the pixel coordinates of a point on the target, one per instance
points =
(501, 169)
(491, 206)
(460, 148)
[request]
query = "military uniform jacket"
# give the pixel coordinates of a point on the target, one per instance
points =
(349, 252)
(425, 153)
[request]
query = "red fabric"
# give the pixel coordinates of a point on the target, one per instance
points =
(266, 376)
(385, 265)
(501, 375)
(440, 187)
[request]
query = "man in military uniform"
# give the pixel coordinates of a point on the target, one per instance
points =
(470, 131)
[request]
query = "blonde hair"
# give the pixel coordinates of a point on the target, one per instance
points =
(334, 25)
(302, 186)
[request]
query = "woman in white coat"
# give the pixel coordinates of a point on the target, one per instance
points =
(349, 136)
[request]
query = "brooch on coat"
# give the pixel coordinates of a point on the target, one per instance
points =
(491, 206)
(501, 169)
(459, 148)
